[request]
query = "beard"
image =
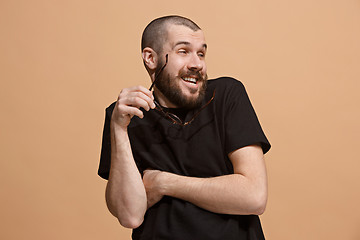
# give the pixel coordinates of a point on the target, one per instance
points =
(169, 87)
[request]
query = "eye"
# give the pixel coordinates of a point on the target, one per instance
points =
(201, 54)
(182, 51)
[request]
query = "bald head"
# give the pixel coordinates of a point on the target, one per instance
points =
(155, 33)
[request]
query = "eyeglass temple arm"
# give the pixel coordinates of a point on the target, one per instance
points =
(157, 75)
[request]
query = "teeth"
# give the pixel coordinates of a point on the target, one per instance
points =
(188, 79)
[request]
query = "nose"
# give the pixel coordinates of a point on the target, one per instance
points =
(195, 63)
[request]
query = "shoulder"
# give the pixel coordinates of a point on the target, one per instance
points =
(226, 87)
(225, 83)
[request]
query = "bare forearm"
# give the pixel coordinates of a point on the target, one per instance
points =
(228, 194)
(125, 192)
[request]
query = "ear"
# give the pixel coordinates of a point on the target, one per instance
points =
(150, 58)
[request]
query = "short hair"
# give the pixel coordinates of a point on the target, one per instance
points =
(155, 33)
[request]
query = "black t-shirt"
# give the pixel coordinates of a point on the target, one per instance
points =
(199, 149)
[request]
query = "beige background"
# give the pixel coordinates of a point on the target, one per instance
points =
(63, 62)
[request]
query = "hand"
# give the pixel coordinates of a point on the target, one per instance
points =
(129, 102)
(152, 180)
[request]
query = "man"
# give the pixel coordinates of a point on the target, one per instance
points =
(186, 161)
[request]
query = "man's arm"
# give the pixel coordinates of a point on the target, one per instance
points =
(243, 193)
(125, 192)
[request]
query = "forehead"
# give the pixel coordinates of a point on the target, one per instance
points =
(180, 33)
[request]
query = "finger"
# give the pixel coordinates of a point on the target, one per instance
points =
(135, 101)
(130, 110)
(141, 95)
(137, 92)
(146, 171)
(139, 89)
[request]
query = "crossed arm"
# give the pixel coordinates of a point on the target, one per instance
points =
(128, 195)
(244, 192)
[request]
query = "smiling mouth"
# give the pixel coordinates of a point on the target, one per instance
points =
(189, 80)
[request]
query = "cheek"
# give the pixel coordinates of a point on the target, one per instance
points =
(204, 66)
(175, 69)
(178, 64)
(204, 70)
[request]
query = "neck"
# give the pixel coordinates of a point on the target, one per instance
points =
(163, 101)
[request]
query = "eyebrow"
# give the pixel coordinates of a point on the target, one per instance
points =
(187, 43)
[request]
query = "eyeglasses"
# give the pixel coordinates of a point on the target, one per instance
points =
(175, 119)
(170, 116)
(160, 71)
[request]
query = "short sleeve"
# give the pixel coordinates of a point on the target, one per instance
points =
(242, 127)
(105, 156)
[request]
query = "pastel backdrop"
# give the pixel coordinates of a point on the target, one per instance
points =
(63, 62)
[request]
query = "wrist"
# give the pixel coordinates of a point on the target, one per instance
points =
(118, 128)
(166, 181)
(119, 138)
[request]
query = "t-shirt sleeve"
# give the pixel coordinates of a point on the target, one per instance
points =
(242, 127)
(105, 156)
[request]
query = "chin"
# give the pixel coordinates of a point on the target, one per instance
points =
(193, 101)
